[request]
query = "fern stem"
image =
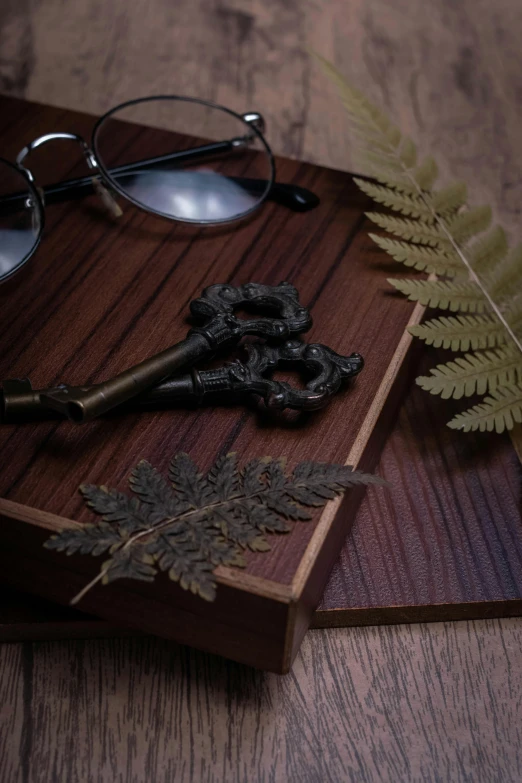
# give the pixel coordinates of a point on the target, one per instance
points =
(77, 598)
(473, 275)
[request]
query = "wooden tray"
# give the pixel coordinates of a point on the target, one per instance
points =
(445, 543)
(98, 297)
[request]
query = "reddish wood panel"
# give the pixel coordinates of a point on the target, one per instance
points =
(99, 296)
(446, 541)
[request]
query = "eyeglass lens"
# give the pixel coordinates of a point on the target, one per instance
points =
(184, 159)
(20, 223)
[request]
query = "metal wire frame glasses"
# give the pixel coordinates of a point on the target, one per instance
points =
(181, 158)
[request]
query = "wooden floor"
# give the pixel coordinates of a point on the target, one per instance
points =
(410, 703)
(437, 704)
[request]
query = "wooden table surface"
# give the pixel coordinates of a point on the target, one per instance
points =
(422, 703)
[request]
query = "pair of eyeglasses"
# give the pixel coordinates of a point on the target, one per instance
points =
(181, 158)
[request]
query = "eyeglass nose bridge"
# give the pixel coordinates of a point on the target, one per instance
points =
(100, 188)
(45, 139)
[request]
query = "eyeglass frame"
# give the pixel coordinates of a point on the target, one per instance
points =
(295, 197)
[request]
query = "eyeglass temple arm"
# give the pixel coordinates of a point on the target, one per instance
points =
(292, 196)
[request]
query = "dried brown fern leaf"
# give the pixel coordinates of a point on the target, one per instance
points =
(198, 521)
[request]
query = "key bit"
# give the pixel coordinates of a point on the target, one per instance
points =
(324, 371)
(219, 327)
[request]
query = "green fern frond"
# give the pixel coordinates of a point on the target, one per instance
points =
(411, 230)
(400, 201)
(363, 127)
(461, 332)
(392, 180)
(454, 296)
(362, 137)
(422, 257)
(505, 282)
(358, 104)
(474, 373)
(381, 163)
(399, 184)
(425, 175)
(513, 316)
(461, 227)
(393, 135)
(468, 224)
(366, 135)
(449, 199)
(486, 252)
(441, 235)
(499, 412)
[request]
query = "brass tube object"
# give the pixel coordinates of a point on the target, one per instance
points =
(219, 328)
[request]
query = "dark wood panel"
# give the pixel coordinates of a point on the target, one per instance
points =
(462, 556)
(97, 297)
(92, 318)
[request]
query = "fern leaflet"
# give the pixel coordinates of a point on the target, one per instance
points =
(461, 332)
(499, 412)
(474, 373)
(455, 296)
(421, 257)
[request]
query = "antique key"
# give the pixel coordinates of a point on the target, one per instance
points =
(220, 328)
(323, 369)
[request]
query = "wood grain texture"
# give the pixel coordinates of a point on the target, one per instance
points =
(95, 317)
(103, 305)
(422, 703)
(451, 73)
(446, 542)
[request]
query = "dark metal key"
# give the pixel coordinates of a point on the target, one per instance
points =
(323, 370)
(284, 317)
